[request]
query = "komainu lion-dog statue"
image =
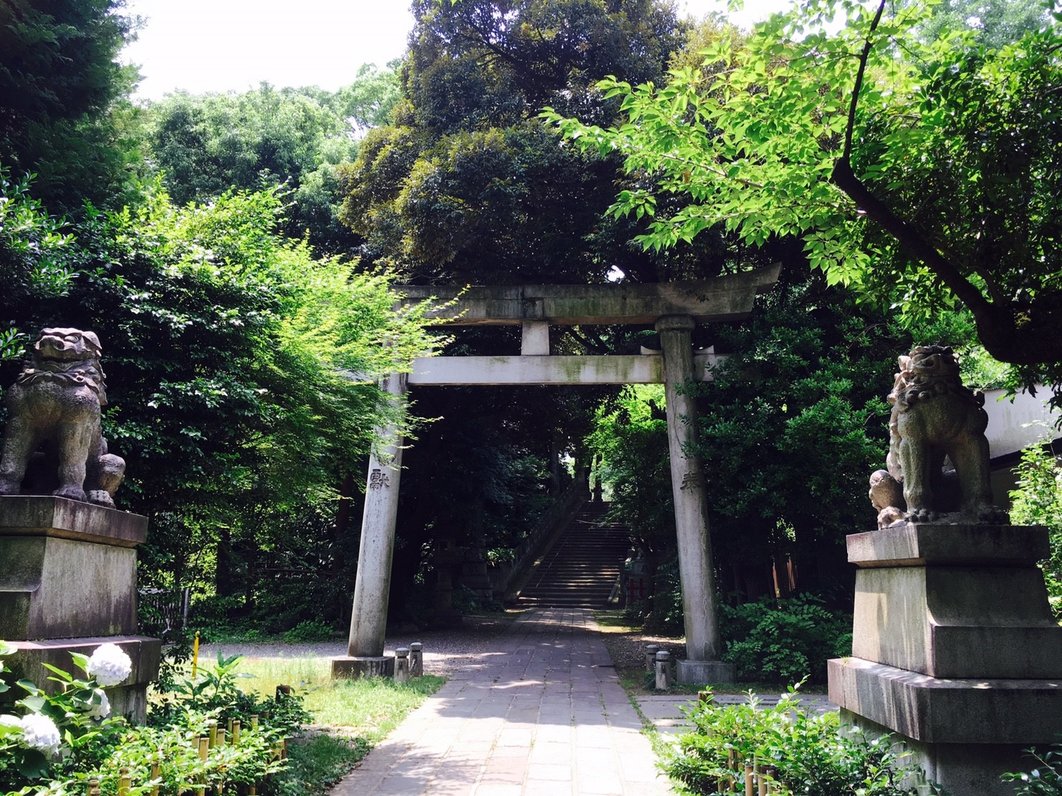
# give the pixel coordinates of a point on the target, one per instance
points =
(53, 426)
(934, 417)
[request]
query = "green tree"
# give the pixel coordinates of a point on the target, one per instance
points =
(206, 145)
(63, 115)
(920, 171)
(1038, 501)
(229, 352)
(466, 186)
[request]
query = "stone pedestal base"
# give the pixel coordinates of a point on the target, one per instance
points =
(69, 568)
(954, 649)
(68, 584)
(969, 769)
(353, 668)
(128, 699)
(705, 672)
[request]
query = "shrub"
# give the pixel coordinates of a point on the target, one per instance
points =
(784, 640)
(310, 630)
(807, 755)
(54, 743)
(1045, 779)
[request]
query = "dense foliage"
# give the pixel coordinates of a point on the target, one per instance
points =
(206, 145)
(920, 169)
(797, 752)
(57, 741)
(63, 112)
(784, 641)
(229, 352)
(1037, 500)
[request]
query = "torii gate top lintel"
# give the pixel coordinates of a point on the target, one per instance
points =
(721, 299)
(537, 307)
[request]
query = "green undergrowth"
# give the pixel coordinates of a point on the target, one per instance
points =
(349, 717)
(369, 708)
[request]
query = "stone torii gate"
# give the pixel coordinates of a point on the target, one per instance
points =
(674, 308)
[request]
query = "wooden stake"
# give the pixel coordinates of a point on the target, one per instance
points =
(125, 782)
(156, 772)
(94, 787)
(236, 733)
(749, 786)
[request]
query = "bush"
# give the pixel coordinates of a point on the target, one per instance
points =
(54, 743)
(784, 641)
(1045, 779)
(800, 754)
(310, 630)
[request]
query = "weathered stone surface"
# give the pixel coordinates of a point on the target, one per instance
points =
(54, 417)
(722, 298)
(26, 515)
(128, 699)
(708, 672)
(696, 573)
(949, 711)
(934, 416)
(963, 769)
(549, 370)
(356, 666)
(69, 568)
(911, 544)
(368, 619)
(930, 600)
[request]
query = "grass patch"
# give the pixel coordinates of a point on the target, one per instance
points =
(349, 716)
(317, 763)
(368, 708)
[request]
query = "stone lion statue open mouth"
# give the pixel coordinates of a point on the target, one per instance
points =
(935, 419)
(53, 427)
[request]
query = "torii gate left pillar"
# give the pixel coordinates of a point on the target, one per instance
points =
(368, 620)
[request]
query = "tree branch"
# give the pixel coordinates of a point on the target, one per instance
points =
(909, 238)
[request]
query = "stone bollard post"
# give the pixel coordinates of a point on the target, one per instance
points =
(416, 659)
(650, 657)
(402, 665)
(663, 670)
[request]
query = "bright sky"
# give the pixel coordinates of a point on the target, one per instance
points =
(233, 45)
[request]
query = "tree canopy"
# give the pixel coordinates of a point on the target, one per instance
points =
(921, 171)
(204, 145)
(63, 112)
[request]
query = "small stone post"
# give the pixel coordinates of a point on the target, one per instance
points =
(402, 665)
(663, 670)
(691, 510)
(650, 657)
(368, 620)
(416, 659)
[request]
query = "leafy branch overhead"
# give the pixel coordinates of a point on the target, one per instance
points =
(922, 170)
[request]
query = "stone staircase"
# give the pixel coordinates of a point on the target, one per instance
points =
(581, 567)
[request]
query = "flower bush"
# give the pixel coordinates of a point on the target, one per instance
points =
(54, 742)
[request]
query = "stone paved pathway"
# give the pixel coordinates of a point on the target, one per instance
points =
(542, 713)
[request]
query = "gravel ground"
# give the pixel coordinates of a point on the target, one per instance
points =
(448, 650)
(444, 650)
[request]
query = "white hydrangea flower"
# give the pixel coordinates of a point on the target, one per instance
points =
(101, 706)
(40, 732)
(109, 665)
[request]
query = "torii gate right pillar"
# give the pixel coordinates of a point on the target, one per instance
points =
(696, 572)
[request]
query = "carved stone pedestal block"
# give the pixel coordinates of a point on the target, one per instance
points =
(68, 584)
(355, 667)
(954, 648)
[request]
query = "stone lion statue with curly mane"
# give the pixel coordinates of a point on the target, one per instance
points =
(934, 419)
(52, 442)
